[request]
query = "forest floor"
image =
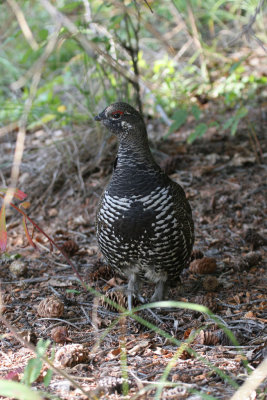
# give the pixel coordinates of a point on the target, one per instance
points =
(225, 181)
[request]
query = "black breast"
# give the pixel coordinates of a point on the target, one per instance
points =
(135, 223)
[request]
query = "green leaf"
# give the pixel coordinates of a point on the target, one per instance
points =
(200, 130)
(234, 66)
(43, 33)
(196, 111)
(234, 121)
(228, 123)
(242, 112)
(115, 21)
(75, 291)
(234, 127)
(9, 66)
(44, 120)
(17, 390)
(41, 347)
(179, 117)
(71, 6)
(174, 127)
(32, 370)
(48, 377)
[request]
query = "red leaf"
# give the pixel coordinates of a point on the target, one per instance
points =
(18, 193)
(27, 233)
(3, 232)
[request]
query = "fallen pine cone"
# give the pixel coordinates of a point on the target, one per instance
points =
(253, 238)
(205, 265)
(210, 283)
(185, 355)
(212, 338)
(208, 338)
(207, 301)
(71, 355)
(101, 271)
(60, 334)
(70, 247)
(117, 296)
(18, 268)
(251, 259)
(50, 307)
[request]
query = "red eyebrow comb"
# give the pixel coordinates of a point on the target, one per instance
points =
(118, 111)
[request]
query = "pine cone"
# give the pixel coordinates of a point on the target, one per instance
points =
(70, 247)
(60, 334)
(71, 355)
(210, 283)
(207, 301)
(51, 307)
(185, 355)
(208, 338)
(255, 239)
(18, 268)
(119, 297)
(248, 261)
(101, 271)
(205, 265)
(212, 338)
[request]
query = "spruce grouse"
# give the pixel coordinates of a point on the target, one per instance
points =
(144, 223)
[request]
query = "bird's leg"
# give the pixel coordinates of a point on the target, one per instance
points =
(133, 286)
(160, 292)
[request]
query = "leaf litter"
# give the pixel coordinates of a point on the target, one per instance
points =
(225, 181)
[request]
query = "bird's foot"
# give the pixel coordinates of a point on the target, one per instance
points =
(160, 292)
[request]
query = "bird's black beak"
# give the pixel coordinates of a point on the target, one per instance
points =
(100, 116)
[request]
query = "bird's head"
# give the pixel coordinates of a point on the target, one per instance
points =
(122, 120)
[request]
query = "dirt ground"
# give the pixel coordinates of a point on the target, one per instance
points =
(225, 181)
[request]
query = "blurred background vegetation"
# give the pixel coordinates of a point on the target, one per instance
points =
(62, 61)
(172, 59)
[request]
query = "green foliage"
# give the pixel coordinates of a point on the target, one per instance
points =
(18, 391)
(237, 85)
(234, 121)
(32, 371)
(179, 118)
(73, 82)
(200, 130)
(34, 366)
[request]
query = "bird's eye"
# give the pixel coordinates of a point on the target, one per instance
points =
(117, 114)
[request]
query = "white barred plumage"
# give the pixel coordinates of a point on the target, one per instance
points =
(144, 222)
